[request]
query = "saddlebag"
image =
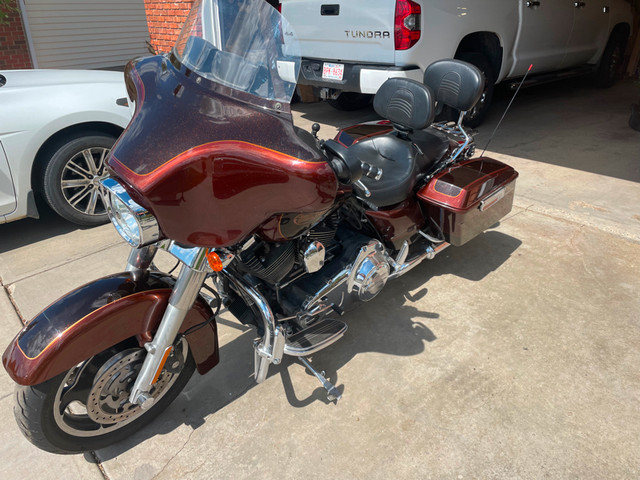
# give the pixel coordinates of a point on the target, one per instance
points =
(469, 197)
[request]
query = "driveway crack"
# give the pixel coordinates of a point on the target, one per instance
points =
(175, 455)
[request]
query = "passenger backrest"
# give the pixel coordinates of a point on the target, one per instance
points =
(455, 83)
(407, 104)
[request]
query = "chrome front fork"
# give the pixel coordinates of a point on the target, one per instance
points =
(268, 350)
(184, 294)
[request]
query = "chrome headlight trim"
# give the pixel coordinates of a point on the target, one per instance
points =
(133, 222)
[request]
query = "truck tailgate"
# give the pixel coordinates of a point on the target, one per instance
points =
(344, 30)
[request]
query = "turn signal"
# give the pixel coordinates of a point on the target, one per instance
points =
(214, 261)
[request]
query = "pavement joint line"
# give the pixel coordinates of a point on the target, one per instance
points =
(99, 465)
(14, 303)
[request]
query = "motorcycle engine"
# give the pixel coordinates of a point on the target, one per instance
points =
(358, 273)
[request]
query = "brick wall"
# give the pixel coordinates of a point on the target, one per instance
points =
(165, 18)
(14, 52)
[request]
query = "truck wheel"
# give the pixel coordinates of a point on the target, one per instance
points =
(477, 114)
(350, 101)
(611, 61)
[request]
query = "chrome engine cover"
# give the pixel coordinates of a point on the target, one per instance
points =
(369, 273)
(359, 280)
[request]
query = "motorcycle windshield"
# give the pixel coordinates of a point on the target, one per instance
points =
(242, 44)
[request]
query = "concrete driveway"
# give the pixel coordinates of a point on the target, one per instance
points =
(514, 356)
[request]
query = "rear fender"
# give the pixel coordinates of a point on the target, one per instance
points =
(97, 316)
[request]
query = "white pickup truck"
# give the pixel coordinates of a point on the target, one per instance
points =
(350, 47)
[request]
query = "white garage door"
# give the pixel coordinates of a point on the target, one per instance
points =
(86, 33)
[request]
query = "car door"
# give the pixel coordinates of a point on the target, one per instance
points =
(590, 28)
(543, 34)
(7, 192)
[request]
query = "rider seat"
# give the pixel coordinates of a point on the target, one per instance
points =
(409, 149)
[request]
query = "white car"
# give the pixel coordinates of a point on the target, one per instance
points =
(56, 127)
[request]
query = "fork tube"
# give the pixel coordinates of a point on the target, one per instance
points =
(184, 294)
(140, 259)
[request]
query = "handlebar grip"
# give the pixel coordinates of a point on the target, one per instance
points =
(371, 171)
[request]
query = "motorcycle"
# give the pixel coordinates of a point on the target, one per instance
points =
(289, 231)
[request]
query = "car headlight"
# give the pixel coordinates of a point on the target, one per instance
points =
(133, 222)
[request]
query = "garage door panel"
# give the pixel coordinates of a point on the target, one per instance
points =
(86, 33)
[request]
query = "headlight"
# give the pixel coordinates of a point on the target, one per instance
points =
(134, 223)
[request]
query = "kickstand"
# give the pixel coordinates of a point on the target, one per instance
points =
(332, 392)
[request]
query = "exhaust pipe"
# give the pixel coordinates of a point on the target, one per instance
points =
(429, 253)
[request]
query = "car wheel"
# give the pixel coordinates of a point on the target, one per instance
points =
(350, 101)
(69, 179)
(611, 61)
(477, 114)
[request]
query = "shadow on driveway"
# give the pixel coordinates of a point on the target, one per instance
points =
(388, 325)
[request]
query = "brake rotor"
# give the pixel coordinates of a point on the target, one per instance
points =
(108, 400)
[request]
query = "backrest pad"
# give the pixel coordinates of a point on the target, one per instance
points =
(455, 83)
(405, 103)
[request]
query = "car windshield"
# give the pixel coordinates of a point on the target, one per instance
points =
(243, 44)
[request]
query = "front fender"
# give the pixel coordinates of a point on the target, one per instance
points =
(96, 316)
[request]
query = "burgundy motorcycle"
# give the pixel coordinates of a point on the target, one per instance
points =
(291, 231)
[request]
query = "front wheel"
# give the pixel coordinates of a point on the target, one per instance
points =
(87, 407)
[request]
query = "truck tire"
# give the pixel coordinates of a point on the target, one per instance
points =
(350, 101)
(611, 61)
(477, 114)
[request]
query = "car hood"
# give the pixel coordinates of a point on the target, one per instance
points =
(43, 78)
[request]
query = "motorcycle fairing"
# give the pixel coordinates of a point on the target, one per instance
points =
(97, 316)
(197, 152)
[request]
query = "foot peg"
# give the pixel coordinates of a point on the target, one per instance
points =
(332, 392)
(314, 338)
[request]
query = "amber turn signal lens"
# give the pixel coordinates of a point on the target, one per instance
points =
(214, 261)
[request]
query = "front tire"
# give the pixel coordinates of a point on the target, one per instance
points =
(86, 408)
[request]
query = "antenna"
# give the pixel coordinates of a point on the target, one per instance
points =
(506, 110)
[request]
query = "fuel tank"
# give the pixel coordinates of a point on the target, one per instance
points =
(214, 164)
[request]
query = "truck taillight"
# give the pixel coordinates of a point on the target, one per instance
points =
(407, 24)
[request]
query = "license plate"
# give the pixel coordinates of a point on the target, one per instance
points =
(332, 71)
